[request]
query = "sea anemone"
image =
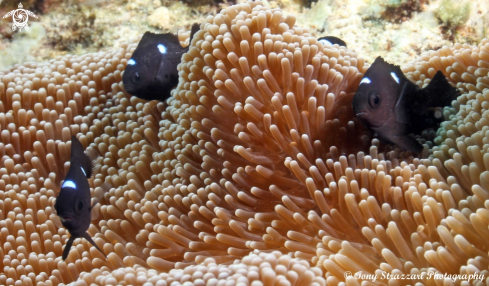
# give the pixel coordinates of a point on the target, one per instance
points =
(255, 172)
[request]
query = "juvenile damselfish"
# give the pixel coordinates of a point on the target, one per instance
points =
(151, 73)
(73, 204)
(394, 107)
(332, 40)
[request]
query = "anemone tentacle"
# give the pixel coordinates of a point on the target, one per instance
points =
(255, 171)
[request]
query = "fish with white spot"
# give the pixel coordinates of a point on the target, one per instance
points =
(151, 73)
(394, 107)
(73, 204)
(331, 41)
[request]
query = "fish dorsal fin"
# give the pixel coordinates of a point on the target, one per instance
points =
(68, 245)
(388, 66)
(87, 237)
(77, 149)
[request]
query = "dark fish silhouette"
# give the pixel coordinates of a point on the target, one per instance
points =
(152, 73)
(331, 40)
(73, 204)
(393, 107)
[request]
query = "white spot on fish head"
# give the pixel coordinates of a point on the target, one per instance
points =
(69, 184)
(394, 76)
(83, 171)
(161, 48)
(325, 42)
(365, 80)
(131, 62)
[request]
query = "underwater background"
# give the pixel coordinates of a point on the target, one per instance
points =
(399, 30)
(256, 171)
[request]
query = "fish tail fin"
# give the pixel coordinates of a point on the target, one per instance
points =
(68, 245)
(440, 85)
(87, 237)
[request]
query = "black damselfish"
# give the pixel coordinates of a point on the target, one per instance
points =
(394, 107)
(152, 73)
(331, 40)
(73, 202)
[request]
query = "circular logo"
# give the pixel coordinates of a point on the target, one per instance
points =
(20, 17)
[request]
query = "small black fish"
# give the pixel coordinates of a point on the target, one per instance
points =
(152, 73)
(331, 40)
(73, 202)
(393, 107)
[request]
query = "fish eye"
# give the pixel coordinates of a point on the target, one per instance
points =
(374, 99)
(78, 205)
(136, 78)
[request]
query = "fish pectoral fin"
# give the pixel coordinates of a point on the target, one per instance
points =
(91, 165)
(87, 237)
(66, 251)
(94, 211)
(407, 143)
(56, 220)
(401, 108)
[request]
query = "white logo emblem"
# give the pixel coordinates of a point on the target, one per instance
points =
(20, 18)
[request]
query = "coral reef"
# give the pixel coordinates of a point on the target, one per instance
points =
(165, 18)
(27, 4)
(453, 14)
(66, 34)
(395, 26)
(402, 11)
(368, 26)
(81, 26)
(394, 10)
(23, 45)
(255, 172)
